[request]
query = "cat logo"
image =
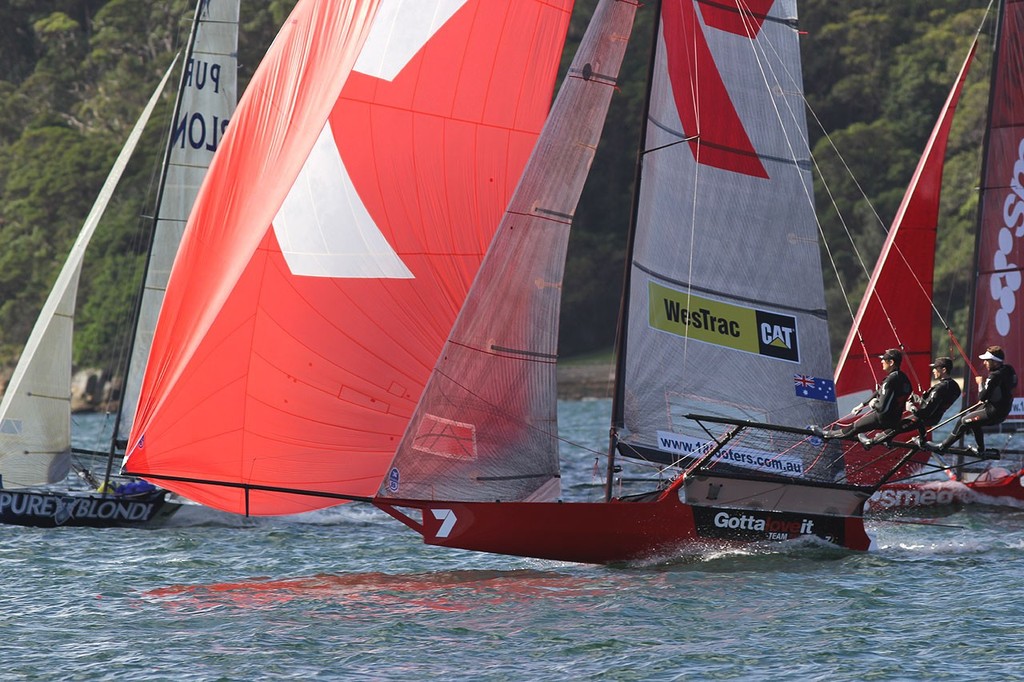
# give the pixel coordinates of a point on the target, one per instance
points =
(777, 336)
(723, 324)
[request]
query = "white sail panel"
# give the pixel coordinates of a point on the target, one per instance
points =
(400, 30)
(726, 303)
(207, 96)
(323, 226)
(35, 416)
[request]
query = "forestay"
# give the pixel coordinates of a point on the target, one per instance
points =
(896, 310)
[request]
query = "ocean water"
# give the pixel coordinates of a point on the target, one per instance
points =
(349, 593)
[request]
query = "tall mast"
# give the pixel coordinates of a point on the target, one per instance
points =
(618, 396)
(973, 284)
(993, 76)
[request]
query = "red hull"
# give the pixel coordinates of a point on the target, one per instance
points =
(995, 487)
(620, 531)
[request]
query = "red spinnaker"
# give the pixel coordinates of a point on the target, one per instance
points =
(334, 240)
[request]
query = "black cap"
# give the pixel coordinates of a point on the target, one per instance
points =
(943, 363)
(894, 354)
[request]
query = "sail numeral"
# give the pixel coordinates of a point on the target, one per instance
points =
(447, 519)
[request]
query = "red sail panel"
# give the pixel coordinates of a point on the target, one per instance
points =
(334, 241)
(998, 304)
(707, 112)
(896, 310)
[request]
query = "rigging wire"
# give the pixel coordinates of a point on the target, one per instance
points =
(790, 78)
(913, 275)
(764, 62)
(762, 59)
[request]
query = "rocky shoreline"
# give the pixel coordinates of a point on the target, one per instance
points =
(578, 380)
(92, 390)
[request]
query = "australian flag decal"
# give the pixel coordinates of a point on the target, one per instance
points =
(814, 387)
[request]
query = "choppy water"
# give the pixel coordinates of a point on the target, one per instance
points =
(349, 593)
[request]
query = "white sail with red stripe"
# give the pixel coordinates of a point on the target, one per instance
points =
(726, 312)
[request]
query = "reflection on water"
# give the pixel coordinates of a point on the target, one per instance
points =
(457, 590)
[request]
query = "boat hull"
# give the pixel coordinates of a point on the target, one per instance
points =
(52, 509)
(992, 488)
(613, 532)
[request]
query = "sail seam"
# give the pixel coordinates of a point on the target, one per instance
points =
(802, 164)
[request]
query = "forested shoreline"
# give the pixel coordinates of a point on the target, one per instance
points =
(75, 73)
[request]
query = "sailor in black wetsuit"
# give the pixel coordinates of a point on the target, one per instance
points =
(926, 411)
(887, 402)
(995, 397)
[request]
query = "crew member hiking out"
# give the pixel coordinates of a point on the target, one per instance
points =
(995, 398)
(925, 411)
(886, 403)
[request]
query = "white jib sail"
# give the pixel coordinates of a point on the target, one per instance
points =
(35, 414)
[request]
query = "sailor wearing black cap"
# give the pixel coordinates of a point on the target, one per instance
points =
(995, 398)
(887, 402)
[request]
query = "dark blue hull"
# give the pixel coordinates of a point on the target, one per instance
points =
(51, 509)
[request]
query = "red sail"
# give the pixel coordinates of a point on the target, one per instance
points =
(362, 177)
(896, 310)
(998, 304)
